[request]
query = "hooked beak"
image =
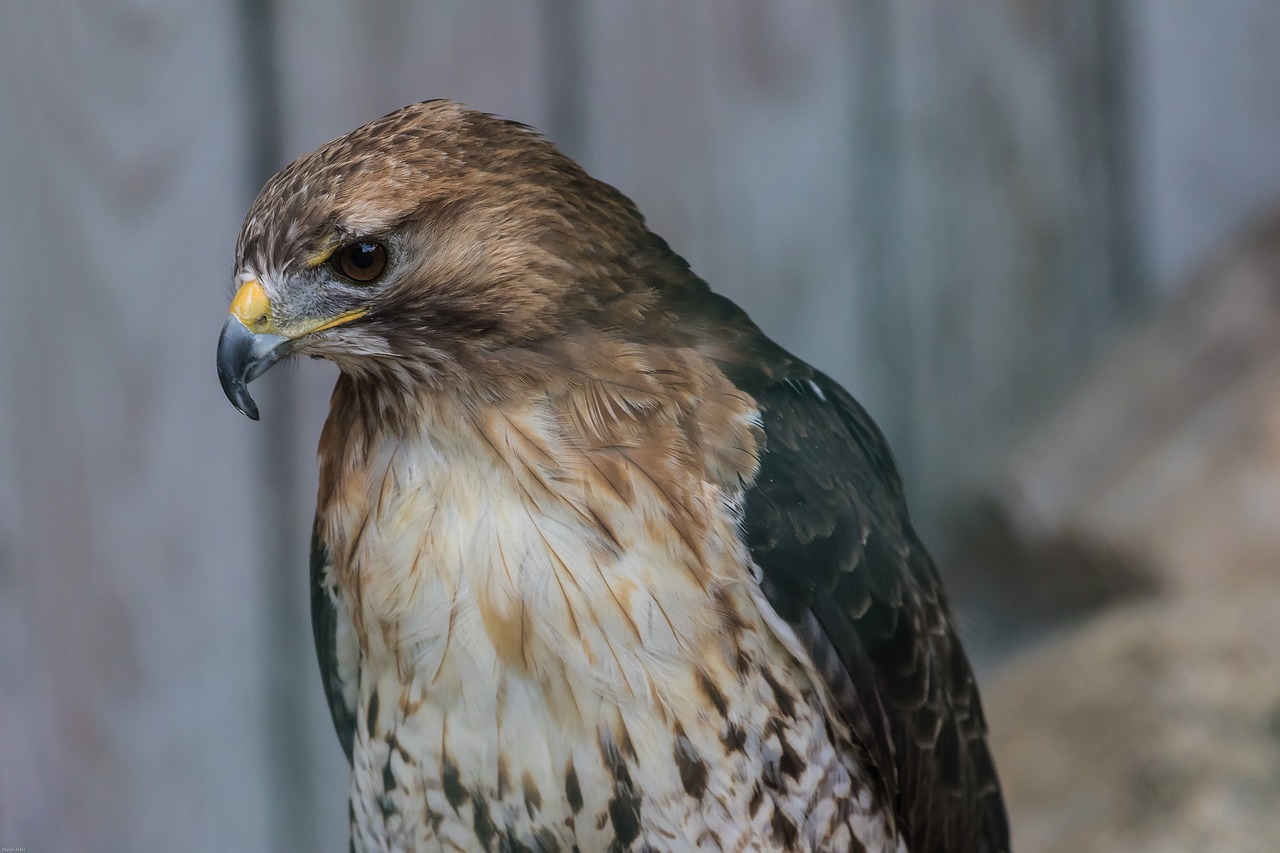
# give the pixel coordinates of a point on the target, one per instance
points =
(251, 343)
(248, 346)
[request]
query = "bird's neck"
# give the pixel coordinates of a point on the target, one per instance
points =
(535, 536)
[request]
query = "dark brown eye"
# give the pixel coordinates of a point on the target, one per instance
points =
(362, 261)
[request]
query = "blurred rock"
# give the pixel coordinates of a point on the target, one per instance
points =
(1162, 470)
(1156, 727)
(1146, 516)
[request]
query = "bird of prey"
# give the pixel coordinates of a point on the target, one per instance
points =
(596, 565)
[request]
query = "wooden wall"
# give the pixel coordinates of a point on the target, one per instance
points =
(949, 207)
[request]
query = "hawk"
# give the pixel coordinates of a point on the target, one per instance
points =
(596, 565)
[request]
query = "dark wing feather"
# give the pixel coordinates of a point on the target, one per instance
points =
(324, 627)
(827, 523)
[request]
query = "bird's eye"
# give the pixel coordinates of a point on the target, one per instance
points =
(362, 261)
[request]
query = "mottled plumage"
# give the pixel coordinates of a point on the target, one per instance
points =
(596, 565)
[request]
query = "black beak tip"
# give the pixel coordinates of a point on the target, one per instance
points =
(244, 403)
(242, 357)
(237, 391)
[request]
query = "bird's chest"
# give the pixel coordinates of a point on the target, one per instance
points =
(543, 663)
(468, 572)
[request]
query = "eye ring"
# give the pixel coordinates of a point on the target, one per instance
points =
(361, 261)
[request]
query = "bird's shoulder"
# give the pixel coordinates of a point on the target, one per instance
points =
(826, 523)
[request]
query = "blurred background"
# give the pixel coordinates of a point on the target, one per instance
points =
(1036, 238)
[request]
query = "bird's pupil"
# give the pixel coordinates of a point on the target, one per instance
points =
(362, 255)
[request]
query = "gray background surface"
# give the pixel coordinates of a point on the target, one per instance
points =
(951, 208)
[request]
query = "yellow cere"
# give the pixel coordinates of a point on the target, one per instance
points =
(252, 306)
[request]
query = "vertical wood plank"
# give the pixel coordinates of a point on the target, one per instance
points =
(130, 697)
(346, 64)
(1206, 84)
(1010, 271)
(294, 765)
(729, 124)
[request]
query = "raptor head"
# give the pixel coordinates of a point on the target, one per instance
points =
(418, 247)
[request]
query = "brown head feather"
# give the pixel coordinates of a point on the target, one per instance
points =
(496, 240)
